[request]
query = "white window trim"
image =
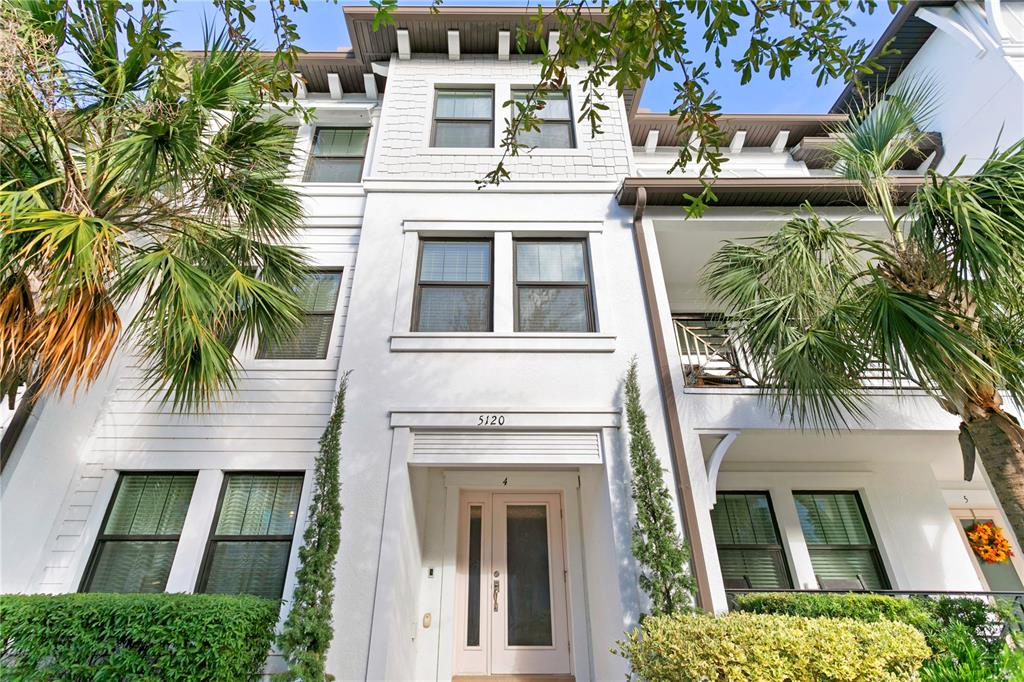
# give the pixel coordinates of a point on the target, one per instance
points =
(503, 338)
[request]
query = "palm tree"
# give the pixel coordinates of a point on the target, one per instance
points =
(133, 205)
(936, 303)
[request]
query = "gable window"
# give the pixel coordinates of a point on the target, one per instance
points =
(463, 118)
(319, 296)
(453, 290)
(843, 550)
(555, 118)
(337, 155)
(749, 548)
(553, 286)
(140, 533)
(252, 535)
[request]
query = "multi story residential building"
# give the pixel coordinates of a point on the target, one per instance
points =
(487, 521)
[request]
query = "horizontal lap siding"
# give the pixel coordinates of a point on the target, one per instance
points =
(277, 414)
(512, 444)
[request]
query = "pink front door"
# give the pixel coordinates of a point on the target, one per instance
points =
(511, 615)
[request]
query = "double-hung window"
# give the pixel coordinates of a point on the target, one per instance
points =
(463, 118)
(553, 286)
(749, 549)
(252, 535)
(554, 115)
(337, 155)
(842, 548)
(319, 296)
(453, 290)
(140, 533)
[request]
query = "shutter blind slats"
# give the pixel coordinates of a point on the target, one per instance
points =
(749, 549)
(127, 557)
(842, 549)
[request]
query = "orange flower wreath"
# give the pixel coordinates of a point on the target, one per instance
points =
(989, 543)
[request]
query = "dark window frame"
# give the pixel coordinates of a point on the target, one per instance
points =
(779, 550)
(262, 348)
(876, 554)
(587, 284)
(212, 538)
(453, 119)
(420, 284)
(570, 119)
(102, 537)
(313, 156)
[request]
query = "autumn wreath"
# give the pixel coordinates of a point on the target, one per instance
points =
(989, 543)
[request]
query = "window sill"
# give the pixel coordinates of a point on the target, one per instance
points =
(501, 342)
(341, 189)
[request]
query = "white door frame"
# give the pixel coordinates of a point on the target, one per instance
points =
(985, 511)
(511, 480)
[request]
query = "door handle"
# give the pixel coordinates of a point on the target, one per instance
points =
(497, 589)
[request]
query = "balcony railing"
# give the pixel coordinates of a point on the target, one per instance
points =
(1011, 604)
(712, 358)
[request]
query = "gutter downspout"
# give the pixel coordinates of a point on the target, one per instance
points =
(680, 469)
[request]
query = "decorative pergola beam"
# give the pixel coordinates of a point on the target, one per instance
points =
(402, 36)
(334, 85)
(453, 44)
(651, 145)
(504, 45)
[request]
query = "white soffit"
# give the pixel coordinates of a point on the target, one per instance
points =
(505, 447)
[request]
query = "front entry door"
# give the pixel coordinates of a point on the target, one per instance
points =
(511, 608)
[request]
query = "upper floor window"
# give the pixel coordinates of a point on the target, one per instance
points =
(555, 115)
(842, 548)
(252, 536)
(337, 155)
(319, 295)
(463, 118)
(749, 549)
(553, 286)
(140, 533)
(453, 289)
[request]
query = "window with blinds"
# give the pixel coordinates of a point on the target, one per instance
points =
(749, 548)
(319, 296)
(463, 118)
(453, 286)
(554, 114)
(140, 534)
(553, 286)
(337, 155)
(843, 550)
(252, 536)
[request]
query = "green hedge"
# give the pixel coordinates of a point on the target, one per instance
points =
(932, 616)
(868, 607)
(134, 636)
(754, 647)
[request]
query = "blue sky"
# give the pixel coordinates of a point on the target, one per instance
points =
(323, 28)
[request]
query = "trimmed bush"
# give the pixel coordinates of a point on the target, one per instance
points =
(135, 636)
(754, 647)
(867, 607)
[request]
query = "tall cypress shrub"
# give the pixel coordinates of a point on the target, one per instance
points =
(308, 630)
(656, 545)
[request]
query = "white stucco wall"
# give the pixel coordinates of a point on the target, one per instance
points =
(416, 191)
(980, 92)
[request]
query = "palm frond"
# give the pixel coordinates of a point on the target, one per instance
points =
(889, 126)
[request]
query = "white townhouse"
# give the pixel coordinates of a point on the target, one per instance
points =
(487, 518)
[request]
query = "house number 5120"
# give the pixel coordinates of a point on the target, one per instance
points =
(490, 420)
